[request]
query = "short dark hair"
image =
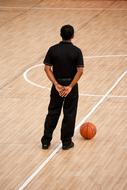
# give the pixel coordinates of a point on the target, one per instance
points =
(67, 32)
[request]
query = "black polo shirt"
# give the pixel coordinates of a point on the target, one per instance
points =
(64, 57)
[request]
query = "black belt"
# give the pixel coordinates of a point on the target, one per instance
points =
(64, 81)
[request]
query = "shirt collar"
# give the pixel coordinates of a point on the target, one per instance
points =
(66, 42)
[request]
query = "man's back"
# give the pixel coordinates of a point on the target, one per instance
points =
(65, 58)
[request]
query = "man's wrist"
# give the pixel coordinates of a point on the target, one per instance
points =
(55, 83)
(71, 85)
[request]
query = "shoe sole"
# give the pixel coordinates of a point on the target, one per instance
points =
(45, 147)
(66, 148)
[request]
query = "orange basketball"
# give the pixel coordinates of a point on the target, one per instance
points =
(88, 130)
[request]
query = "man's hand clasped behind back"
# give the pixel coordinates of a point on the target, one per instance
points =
(63, 90)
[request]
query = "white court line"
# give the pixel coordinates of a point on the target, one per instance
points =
(104, 56)
(29, 81)
(102, 99)
(30, 178)
(100, 95)
(61, 8)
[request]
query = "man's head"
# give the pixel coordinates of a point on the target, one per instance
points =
(67, 32)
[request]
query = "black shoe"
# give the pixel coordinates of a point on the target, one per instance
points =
(67, 146)
(45, 145)
(45, 142)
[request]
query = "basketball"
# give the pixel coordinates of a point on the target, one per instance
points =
(88, 130)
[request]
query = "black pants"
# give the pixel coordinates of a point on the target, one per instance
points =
(69, 105)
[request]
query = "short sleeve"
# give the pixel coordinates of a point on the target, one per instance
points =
(48, 58)
(80, 61)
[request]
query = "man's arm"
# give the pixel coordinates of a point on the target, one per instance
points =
(68, 89)
(77, 76)
(51, 77)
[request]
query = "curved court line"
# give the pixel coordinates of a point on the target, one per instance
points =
(31, 82)
(30, 178)
(81, 94)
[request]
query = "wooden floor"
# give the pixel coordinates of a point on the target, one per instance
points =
(27, 29)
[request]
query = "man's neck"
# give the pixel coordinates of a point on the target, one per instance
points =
(66, 41)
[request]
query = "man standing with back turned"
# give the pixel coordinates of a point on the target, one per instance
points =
(64, 67)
